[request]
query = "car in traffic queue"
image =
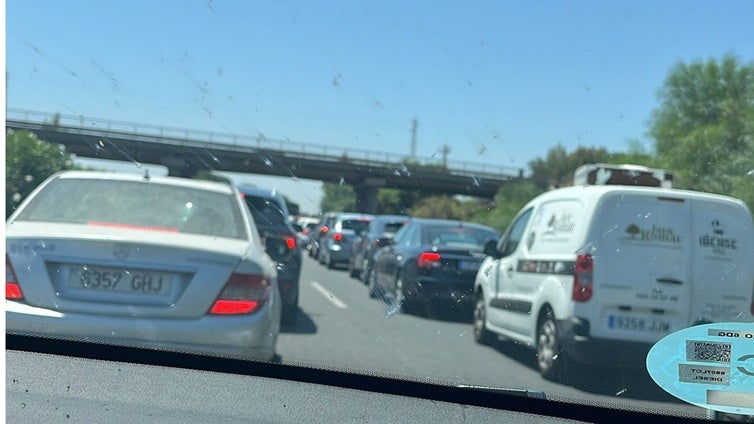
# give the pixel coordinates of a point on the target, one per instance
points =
(159, 262)
(273, 222)
(304, 227)
(429, 260)
(326, 221)
(379, 232)
(335, 244)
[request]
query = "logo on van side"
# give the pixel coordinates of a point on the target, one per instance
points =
(717, 241)
(564, 224)
(655, 234)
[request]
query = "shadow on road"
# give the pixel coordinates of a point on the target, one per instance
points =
(433, 309)
(633, 383)
(302, 324)
(628, 383)
(446, 311)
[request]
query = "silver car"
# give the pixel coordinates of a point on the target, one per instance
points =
(162, 262)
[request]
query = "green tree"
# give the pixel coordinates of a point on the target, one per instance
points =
(28, 162)
(399, 202)
(338, 197)
(509, 200)
(556, 169)
(704, 126)
(636, 154)
(445, 207)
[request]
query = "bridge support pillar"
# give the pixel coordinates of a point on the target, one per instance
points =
(366, 195)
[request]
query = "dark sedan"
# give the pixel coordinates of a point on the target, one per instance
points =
(379, 232)
(428, 260)
(273, 223)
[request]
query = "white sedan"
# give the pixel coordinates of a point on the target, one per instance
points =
(162, 262)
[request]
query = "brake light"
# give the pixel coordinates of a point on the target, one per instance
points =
(242, 294)
(337, 237)
(12, 289)
(290, 242)
(428, 259)
(324, 230)
(582, 278)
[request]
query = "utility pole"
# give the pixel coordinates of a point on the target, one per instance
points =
(414, 127)
(445, 150)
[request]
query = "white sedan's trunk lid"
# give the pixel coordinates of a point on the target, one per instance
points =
(77, 268)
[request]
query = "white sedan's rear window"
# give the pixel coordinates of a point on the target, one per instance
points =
(138, 205)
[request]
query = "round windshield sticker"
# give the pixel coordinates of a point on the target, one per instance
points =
(711, 366)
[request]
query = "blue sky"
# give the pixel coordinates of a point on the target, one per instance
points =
(500, 82)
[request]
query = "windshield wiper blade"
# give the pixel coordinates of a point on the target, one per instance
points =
(534, 394)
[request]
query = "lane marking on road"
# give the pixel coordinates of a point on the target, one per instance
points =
(328, 295)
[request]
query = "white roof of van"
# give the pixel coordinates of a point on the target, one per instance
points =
(591, 193)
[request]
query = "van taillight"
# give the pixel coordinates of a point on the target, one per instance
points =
(582, 278)
(242, 294)
(428, 259)
(12, 289)
(337, 237)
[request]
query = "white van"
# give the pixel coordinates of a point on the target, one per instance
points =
(597, 274)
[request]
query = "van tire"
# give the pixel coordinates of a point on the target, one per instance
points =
(551, 362)
(482, 335)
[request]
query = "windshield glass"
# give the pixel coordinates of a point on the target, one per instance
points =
(454, 236)
(608, 147)
(265, 212)
(143, 205)
(392, 227)
(354, 225)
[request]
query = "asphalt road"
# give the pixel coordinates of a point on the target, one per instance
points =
(340, 327)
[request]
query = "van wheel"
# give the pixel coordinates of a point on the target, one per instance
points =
(481, 334)
(550, 361)
(352, 271)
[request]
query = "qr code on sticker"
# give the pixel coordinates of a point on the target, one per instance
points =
(707, 351)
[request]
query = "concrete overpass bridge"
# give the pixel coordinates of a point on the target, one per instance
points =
(185, 152)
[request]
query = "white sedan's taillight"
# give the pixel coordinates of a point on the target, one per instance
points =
(12, 289)
(242, 294)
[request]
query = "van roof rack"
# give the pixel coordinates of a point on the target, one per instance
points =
(622, 174)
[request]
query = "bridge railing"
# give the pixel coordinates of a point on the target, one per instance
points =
(257, 141)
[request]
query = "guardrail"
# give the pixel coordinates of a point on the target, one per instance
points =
(258, 141)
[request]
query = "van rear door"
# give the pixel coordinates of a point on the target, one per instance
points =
(723, 269)
(641, 243)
